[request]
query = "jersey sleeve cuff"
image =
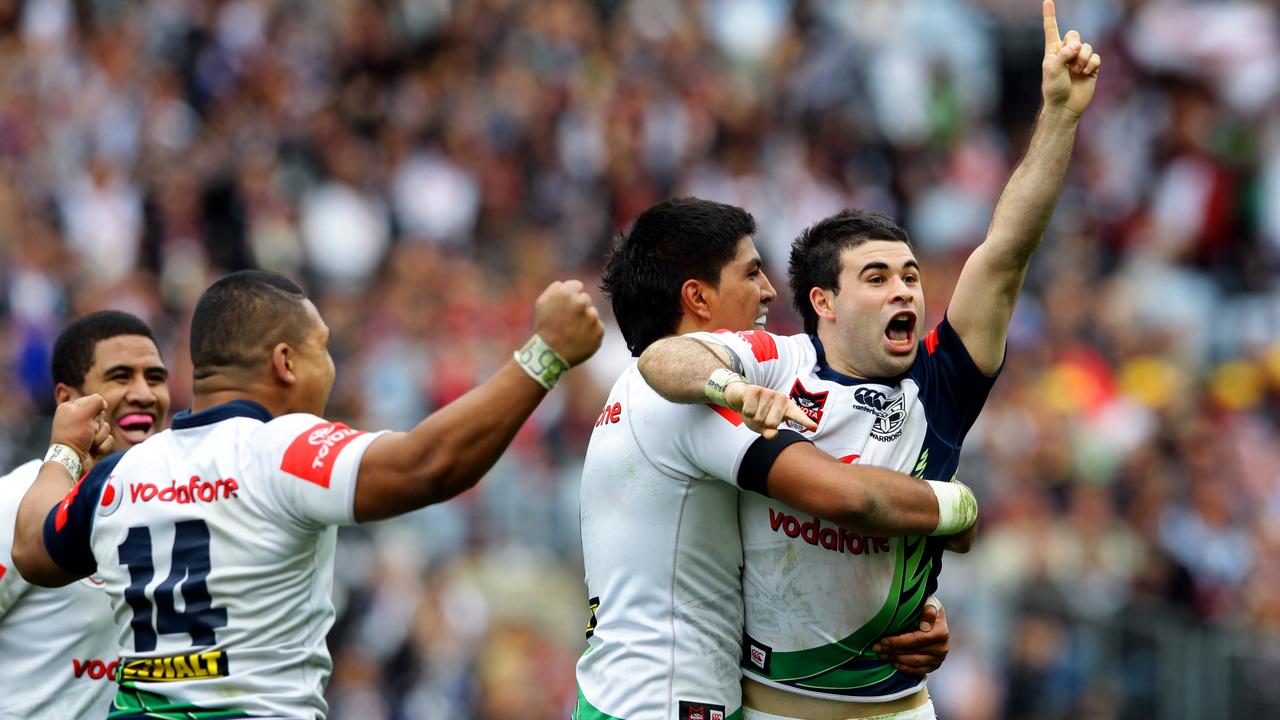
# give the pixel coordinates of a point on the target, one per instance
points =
(753, 472)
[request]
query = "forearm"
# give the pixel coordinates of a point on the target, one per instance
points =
(863, 498)
(29, 553)
(1025, 206)
(677, 368)
(449, 451)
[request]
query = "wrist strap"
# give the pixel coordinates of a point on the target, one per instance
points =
(721, 379)
(957, 507)
(541, 362)
(66, 456)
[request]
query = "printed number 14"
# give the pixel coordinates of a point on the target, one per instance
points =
(189, 566)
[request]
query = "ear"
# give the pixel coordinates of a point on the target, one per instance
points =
(63, 392)
(695, 299)
(283, 358)
(823, 303)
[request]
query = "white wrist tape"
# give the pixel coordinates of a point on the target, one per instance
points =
(66, 456)
(721, 379)
(957, 507)
(541, 362)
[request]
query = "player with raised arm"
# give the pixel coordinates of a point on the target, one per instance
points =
(660, 487)
(58, 645)
(815, 604)
(215, 539)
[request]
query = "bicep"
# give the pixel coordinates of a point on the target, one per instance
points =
(982, 306)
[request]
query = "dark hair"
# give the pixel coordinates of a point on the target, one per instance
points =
(77, 345)
(815, 254)
(673, 241)
(241, 317)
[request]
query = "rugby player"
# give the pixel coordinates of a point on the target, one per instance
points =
(885, 399)
(58, 646)
(659, 504)
(215, 539)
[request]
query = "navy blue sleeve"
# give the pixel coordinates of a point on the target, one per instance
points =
(952, 387)
(69, 525)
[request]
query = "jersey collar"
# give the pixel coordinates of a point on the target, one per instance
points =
(826, 372)
(216, 414)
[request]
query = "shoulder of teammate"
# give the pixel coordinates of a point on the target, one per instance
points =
(68, 527)
(12, 487)
(764, 358)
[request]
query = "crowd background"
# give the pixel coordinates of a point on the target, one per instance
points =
(427, 166)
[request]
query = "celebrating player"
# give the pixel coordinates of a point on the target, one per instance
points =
(660, 485)
(215, 539)
(59, 645)
(883, 399)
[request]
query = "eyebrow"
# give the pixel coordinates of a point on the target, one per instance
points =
(878, 265)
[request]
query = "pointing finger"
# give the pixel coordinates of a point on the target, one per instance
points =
(795, 413)
(1051, 36)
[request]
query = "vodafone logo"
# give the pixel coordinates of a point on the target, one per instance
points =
(112, 494)
(94, 669)
(312, 455)
(193, 490)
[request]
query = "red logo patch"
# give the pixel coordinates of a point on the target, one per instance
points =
(312, 454)
(762, 344)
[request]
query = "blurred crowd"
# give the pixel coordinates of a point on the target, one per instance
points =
(428, 166)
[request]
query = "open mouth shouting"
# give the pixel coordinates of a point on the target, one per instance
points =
(136, 426)
(900, 333)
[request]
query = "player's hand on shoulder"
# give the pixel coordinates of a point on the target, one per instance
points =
(763, 409)
(1070, 67)
(81, 424)
(568, 321)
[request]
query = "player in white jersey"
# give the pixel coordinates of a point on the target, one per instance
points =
(215, 538)
(660, 483)
(878, 397)
(53, 668)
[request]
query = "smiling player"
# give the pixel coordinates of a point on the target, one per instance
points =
(59, 645)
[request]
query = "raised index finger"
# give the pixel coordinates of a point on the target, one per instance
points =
(1051, 37)
(795, 413)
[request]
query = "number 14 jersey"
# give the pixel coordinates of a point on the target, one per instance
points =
(215, 541)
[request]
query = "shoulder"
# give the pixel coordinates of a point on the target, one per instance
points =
(20, 479)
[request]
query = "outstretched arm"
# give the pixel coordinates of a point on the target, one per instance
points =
(992, 277)
(455, 446)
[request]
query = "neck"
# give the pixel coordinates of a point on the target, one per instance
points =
(216, 390)
(691, 323)
(836, 354)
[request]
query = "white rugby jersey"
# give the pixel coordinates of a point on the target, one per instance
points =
(215, 540)
(57, 645)
(816, 597)
(663, 558)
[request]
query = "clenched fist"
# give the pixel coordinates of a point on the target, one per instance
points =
(81, 424)
(566, 319)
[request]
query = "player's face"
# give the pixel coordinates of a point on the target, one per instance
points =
(742, 298)
(879, 308)
(315, 370)
(128, 373)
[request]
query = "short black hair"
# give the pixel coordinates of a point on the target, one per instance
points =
(241, 317)
(76, 347)
(671, 242)
(815, 254)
